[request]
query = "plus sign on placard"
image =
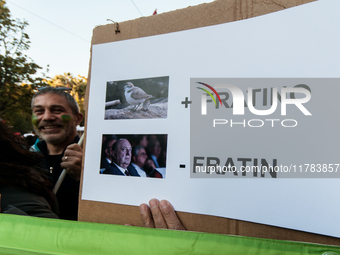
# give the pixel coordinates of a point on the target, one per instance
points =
(186, 102)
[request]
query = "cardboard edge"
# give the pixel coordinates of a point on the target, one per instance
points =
(217, 12)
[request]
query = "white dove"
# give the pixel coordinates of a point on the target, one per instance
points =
(136, 96)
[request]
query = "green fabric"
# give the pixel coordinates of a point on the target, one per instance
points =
(29, 235)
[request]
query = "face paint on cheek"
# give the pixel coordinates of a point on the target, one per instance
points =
(34, 120)
(66, 118)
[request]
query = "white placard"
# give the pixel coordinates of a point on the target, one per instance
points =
(300, 42)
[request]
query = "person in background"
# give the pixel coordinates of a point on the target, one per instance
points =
(30, 139)
(24, 188)
(107, 152)
(155, 150)
(144, 166)
(141, 140)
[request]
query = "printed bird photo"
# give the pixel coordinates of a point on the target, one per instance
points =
(137, 98)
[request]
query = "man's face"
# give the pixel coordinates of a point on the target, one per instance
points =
(140, 159)
(122, 154)
(53, 119)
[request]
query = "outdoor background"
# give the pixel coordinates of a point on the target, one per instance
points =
(47, 43)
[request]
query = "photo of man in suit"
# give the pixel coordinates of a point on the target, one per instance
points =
(121, 159)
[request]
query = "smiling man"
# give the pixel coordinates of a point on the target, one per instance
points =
(55, 115)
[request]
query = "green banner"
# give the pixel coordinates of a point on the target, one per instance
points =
(29, 235)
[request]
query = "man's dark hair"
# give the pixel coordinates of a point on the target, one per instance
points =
(136, 149)
(71, 101)
(108, 140)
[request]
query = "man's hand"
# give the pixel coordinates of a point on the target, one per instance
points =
(159, 215)
(71, 161)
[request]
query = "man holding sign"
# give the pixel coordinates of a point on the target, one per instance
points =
(55, 115)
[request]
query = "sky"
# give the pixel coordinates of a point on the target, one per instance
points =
(60, 31)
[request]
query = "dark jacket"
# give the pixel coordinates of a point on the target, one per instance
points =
(113, 169)
(68, 193)
(20, 201)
